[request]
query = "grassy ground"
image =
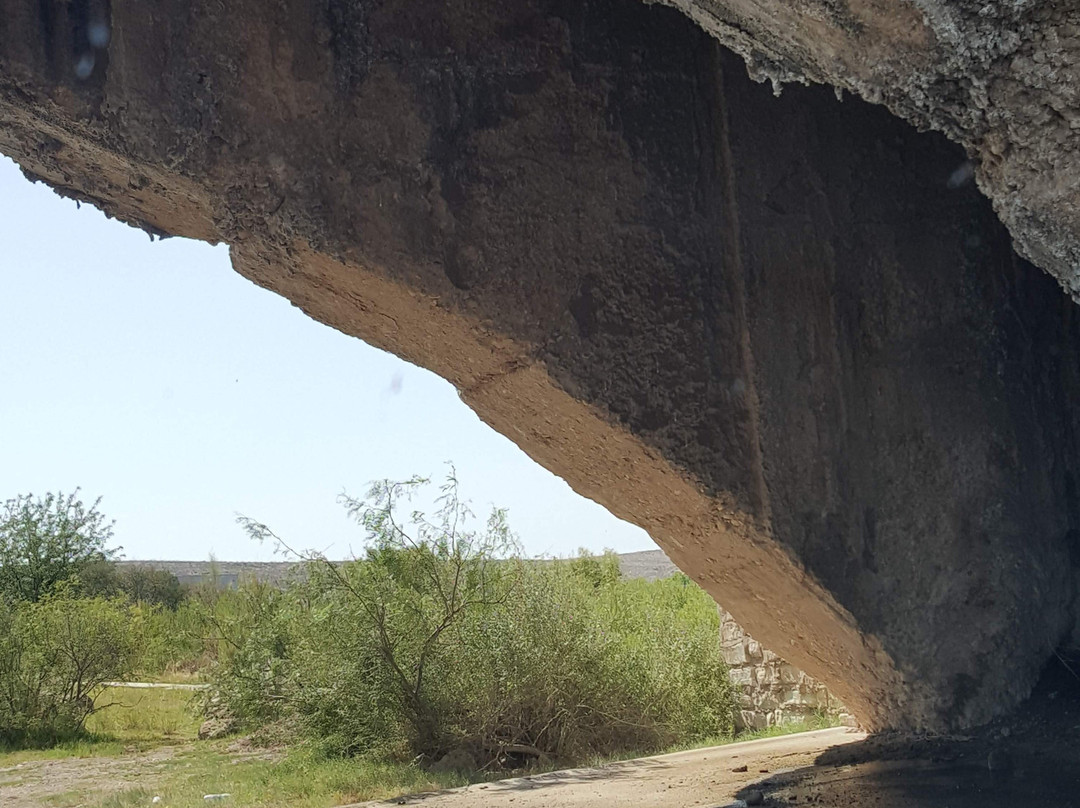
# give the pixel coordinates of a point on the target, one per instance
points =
(295, 781)
(145, 716)
(135, 721)
(83, 748)
(164, 723)
(128, 720)
(819, 721)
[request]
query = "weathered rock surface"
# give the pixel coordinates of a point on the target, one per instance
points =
(1000, 77)
(770, 691)
(764, 329)
(213, 728)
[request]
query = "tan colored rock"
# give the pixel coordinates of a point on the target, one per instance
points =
(213, 728)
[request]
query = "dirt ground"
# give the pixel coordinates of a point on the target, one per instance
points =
(32, 783)
(1029, 758)
(79, 780)
(701, 777)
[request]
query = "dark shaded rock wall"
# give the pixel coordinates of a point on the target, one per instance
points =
(915, 379)
(999, 77)
(764, 329)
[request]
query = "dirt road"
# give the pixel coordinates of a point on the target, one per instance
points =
(703, 778)
(49, 782)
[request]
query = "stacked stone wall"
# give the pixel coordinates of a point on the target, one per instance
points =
(770, 690)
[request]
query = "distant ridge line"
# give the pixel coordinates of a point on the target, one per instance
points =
(648, 564)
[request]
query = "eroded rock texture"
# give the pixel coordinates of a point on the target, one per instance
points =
(764, 329)
(1000, 77)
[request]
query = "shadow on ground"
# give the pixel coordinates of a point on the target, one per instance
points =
(606, 773)
(1029, 758)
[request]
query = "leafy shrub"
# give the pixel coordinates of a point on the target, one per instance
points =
(571, 668)
(54, 656)
(251, 629)
(436, 641)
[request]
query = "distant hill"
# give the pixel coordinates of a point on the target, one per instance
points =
(228, 573)
(647, 564)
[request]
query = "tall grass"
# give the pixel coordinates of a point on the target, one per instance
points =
(173, 644)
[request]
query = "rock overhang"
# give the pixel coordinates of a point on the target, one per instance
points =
(767, 330)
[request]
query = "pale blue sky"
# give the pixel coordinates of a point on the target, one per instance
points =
(153, 375)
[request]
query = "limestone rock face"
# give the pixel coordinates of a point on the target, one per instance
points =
(781, 334)
(771, 692)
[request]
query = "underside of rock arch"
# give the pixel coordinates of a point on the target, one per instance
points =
(788, 336)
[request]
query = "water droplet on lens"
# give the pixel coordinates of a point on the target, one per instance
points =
(962, 175)
(85, 66)
(98, 34)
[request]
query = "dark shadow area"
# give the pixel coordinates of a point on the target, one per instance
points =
(1031, 757)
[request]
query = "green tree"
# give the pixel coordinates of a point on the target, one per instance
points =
(442, 638)
(144, 584)
(46, 541)
(139, 583)
(99, 579)
(422, 575)
(600, 571)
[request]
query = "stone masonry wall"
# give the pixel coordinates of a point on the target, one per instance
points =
(771, 691)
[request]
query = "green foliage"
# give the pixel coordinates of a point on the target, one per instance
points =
(139, 584)
(148, 585)
(250, 629)
(420, 579)
(172, 644)
(47, 541)
(54, 655)
(442, 638)
(573, 668)
(601, 571)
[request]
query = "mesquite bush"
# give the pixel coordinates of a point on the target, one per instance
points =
(443, 638)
